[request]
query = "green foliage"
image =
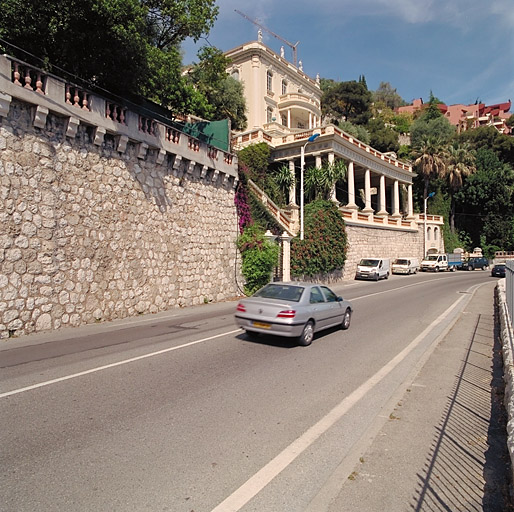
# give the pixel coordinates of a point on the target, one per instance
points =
(129, 47)
(357, 131)
(256, 158)
(261, 216)
(347, 101)
(260, 257)
(438, 128)
(388, 96)
(383, 139)
(325, 245)
(402, 122)
(319, 181)
(487, 137)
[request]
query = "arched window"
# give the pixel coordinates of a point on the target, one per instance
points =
(235, 74)
(269, 81)
(284, 87)
(436, 233)
(429, 233)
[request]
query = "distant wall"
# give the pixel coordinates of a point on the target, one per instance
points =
(89, 233)
(380, 242)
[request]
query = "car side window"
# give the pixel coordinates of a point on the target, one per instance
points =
(316, 296)
(330, 296)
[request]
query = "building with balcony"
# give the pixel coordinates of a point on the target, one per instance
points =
(284, 110)
(467, 117)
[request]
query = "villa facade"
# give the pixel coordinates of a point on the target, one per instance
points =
(284, 110)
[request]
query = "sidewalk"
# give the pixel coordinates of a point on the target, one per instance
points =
(443, 447)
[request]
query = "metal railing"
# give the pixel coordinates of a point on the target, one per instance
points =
(509, 288)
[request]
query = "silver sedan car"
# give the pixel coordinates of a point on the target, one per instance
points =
(293, 310)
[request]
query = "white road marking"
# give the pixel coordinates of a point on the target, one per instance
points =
(265, 475)
(113, 365)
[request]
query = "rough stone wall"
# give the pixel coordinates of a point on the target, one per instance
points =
(386, 243)
(88, 234)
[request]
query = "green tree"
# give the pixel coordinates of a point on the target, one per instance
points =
(347, 101)
(460, 163)
(382, 138)
(129, 47)
(320, 181)
(388, 96)
(260, 257)
(357, 130)
(430, 161)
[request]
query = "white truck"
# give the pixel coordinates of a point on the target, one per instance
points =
(373, 268)
(439, 262)
(405, 265)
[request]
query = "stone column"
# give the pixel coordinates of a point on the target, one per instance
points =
(318, 162)
(292, 190)
(257, 92)
(382, 207)
(289, 118)
(333, 197)
(286, 256)
(410, 214)
(351, 187)
(396, 200)
(367, 192)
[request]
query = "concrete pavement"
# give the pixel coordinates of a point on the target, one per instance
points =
(443, 444)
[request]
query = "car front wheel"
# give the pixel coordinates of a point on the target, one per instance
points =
(307, 335)
(346, 319)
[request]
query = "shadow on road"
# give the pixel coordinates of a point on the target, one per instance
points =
(468, 465)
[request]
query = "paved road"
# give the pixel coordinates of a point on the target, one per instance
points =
(181, 412)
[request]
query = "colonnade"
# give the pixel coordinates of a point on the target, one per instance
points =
(366, 174)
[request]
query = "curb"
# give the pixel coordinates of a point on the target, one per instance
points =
(507, 342)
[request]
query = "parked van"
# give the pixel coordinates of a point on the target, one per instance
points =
(405, 266)
(373, 268)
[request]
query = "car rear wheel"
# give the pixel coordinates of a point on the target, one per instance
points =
(307, 335)
(470, 267)
(346, 319)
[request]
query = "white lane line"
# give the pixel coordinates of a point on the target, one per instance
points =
(265, 475)
(113, 365)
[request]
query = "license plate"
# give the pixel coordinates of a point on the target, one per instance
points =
(261, 325)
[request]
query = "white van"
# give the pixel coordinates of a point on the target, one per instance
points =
(373, 268)
(405, 266)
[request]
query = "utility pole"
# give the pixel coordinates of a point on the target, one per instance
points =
(291, 45)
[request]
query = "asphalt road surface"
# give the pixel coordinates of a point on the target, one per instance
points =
(182, 412)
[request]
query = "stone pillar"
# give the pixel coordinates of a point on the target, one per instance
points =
(257, 94)
(286, 256)
(318, 162)
(382, 212)
(333, 197)
(367, 192)
(396, 200)
(410, 214)
(289, 118)
(351, 187)
(292, 190)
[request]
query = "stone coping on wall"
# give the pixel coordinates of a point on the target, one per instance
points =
(48, 93)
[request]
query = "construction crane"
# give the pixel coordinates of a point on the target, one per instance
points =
(291, 45)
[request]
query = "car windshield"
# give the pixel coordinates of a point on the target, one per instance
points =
(401, 262)
(281, 291)
(500, 265)
(432, 258)
(369, 263)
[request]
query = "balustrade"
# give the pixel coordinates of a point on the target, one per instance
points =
(28, 73)
(172, 135)
(116, 113)
(80, 97)
(147, 125)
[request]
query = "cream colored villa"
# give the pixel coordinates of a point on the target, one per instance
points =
(284, 110)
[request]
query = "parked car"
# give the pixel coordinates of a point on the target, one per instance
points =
(498, 270)
(373, 268)
(293, 309)
(405, 266)
(475, 262)
(439, 262)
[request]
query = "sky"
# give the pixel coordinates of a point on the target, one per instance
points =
(460, 50)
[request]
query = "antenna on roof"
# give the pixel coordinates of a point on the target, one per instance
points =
(291, 45)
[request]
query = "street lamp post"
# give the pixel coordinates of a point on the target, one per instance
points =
(432, 194)
(302, 164)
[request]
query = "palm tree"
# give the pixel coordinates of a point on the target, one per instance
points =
(320, 181)
(460, 163)
(430, 159)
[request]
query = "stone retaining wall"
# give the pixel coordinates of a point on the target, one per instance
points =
(365, 242)
(89, 234)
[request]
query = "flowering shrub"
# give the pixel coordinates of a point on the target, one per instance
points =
(260, 257)
(324, 248)
(244, 214)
